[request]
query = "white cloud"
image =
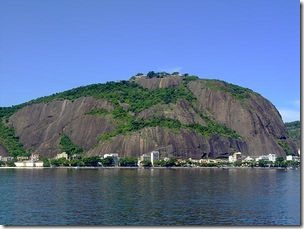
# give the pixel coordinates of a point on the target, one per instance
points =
(289, 115)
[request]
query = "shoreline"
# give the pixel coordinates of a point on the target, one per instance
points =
(97, 168)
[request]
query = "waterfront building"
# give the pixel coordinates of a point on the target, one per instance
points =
(154, 156)
(7, 159)
(20, 164)
(272, 157)
(203, 161)
(62, 155)
(76, 156)
(110, 155)
(114, 156)
(38, 164)
(292, 158)
(248, 158)
(262, 157)
(143, 157)
(29, 163)
(235, 157)
(22, 158)
(34, 157)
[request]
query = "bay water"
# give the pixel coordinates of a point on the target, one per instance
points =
(159, 196)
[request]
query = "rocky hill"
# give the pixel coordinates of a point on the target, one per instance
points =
(180, 115)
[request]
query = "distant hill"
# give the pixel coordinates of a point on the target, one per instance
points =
(294, 131)
(180, 115)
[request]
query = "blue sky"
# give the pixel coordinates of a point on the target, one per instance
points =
(54, 45)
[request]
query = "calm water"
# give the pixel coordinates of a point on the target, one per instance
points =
(149, 197)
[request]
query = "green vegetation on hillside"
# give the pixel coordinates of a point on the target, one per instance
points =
(294, 131)
(137, 98)
(214, 128)
(236, 91)
(11, 142)
(133, 125)
(190, 78)
(7, 135)
(284, 145)
(66, 145)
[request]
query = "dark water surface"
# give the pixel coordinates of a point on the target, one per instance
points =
(203, 196)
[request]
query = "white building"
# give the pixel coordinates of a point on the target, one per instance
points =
(38, 164)
(34, 157)
(235, 157)
(7, 158)
(262, 157)
(272, 157)
(62, 155)
(289, 158)
(143, 157)
(30, 163)
(248, 158)
(22, 158)
(114, 156)
(20, 164)
(110, 155)
(154, 156)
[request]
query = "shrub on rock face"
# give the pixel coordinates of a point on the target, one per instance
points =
(66, 145)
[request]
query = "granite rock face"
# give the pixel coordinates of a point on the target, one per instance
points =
(39, 126)
(3, 151)
(254, 118)
(180, 144)
(153, 83)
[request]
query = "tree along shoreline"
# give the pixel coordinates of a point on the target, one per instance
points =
(96, 161)
(146, 168)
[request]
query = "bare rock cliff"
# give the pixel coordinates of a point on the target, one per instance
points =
(255, 118)
(39, 126)
(204, 124)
